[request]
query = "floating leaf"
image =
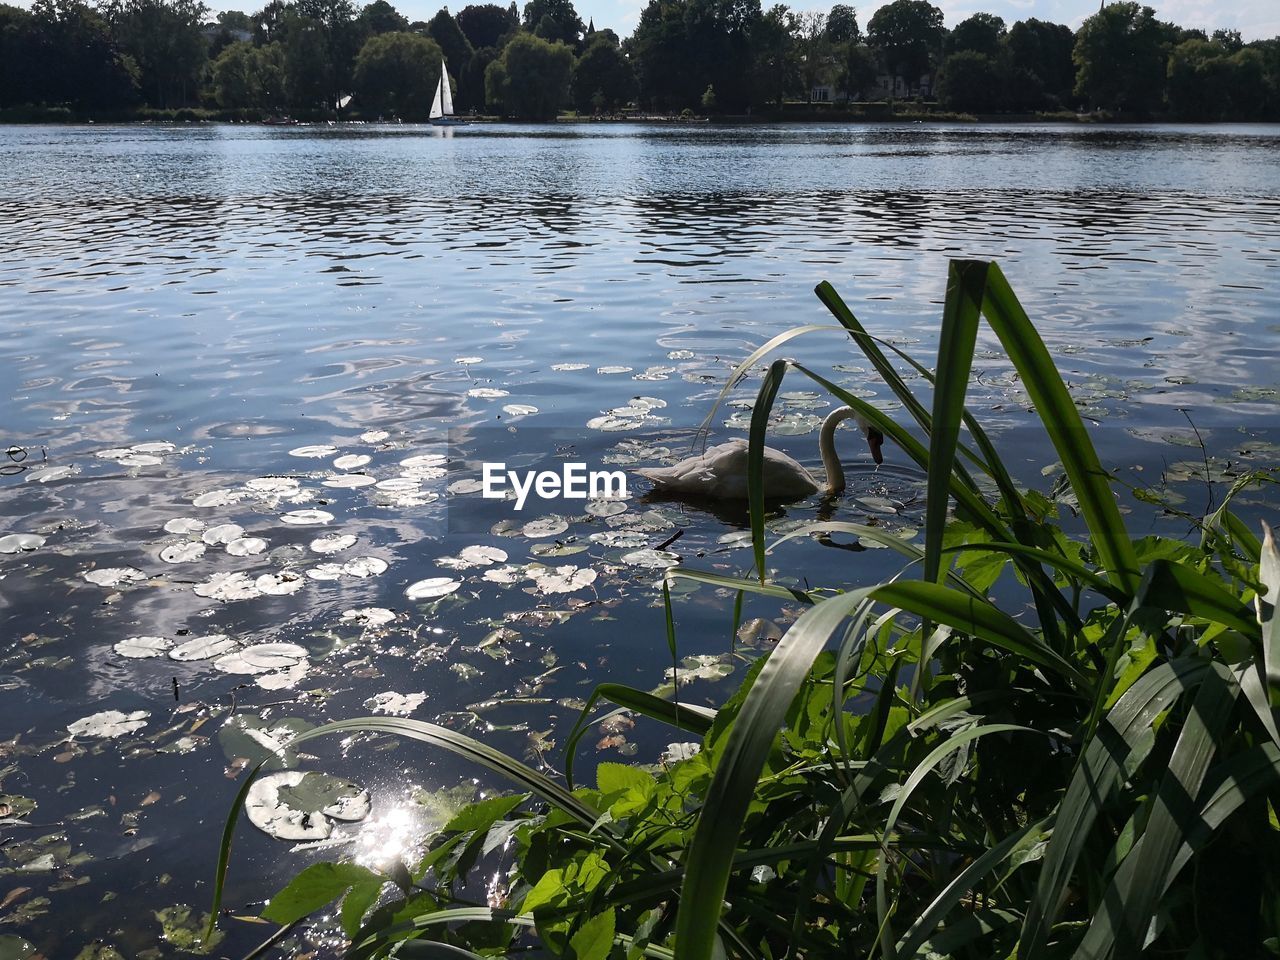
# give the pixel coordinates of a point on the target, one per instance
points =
(114, 576)
(20, 542)
(141, 648)
(262, 658)
(109, 724)
(203, 648)
(222, 533)
(370, 616)
(519, 409)
(399, 704)
(374, 436)
(487, 393)
(350, 481)
(313, 452)
(280, 584)
(568, 367)
(364, 567)
(333, 542)
(183, 552)
(544, 527)
(657, 559)
(431, 588)
(564, 579)
(227, 586)
(184, 526)
(326, 571)
(302, 518)
(352, 461)
(246, 546)
(297, 805)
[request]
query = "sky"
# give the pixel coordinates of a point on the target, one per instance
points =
(1255, 19)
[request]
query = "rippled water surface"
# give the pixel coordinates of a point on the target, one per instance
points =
(185, 311)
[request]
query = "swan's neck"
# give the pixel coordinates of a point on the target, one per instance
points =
(827, 446)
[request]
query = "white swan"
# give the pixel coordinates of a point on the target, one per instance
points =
(721, 472)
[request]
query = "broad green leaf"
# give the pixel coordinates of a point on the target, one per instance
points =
(315, 886)
(594, 939)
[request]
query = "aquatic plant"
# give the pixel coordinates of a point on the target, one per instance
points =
(1088, 768)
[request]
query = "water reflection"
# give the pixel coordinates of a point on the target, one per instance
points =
(244, 292)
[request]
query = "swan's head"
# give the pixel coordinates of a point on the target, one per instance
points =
(875, 440)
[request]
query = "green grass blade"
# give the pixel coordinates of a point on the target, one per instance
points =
(966, 282)
(737, 583)
(980, 619)
(919, 772)
(756, 355)
(224, 848)
(1125, 913)
(1269, 574)
(1176, 586)
(1066, 430)
(1120, 739)
(709, 860)
(682, 716)
(1067, 567)
(755, 458)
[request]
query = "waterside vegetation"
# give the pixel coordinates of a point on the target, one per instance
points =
(1041, 737)
(329, 59)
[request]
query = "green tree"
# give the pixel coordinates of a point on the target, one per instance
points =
(343, 38)
(1230, 39)
(564, 24)
(247, 77)
(18, 68)
(381, 17)
(1120, 55)
(817, 64)
(908, 36)
(486, 24)
(1043, 49)
(858, 69)
(842, 25)
(774, 56)
(971, 81)
(268, 23)
(982, 33)
(531, 78)
(471, 86)
(166, 40)
(76, 59)
(308, 72)
(396, 74)
(444, 30)
(602, 70)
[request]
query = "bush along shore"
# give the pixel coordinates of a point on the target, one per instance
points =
(1088, 768)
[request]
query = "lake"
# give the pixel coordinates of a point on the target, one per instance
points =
(250, 375)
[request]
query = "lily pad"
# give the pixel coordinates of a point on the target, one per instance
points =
(281, 584)
(333, 542)
(258, 740)
(565, 579)
(352, 461)
(20, 542)
(203, 648)
(297, 805)
(544, 527)
(262, 658)
(246, 546)
(223, 533)
(313, 452)
(398, 704)
(302, 518)
(141, 648)
(114, 576)
(369, 616)
(364, 567)
(226, 587)
(108, 724)
(431, 588)
(188, 552)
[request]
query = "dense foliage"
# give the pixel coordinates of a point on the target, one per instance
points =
(114, 56)
(1087, 766)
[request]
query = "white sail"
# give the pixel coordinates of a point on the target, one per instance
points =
(445, 93)
(436, 112)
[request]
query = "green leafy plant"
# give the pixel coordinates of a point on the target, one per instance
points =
(1095, 777)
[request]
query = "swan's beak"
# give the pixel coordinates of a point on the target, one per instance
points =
(875, 440)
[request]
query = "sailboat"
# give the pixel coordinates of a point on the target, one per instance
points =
(442, 105)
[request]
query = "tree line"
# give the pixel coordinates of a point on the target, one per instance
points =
(332, 58)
